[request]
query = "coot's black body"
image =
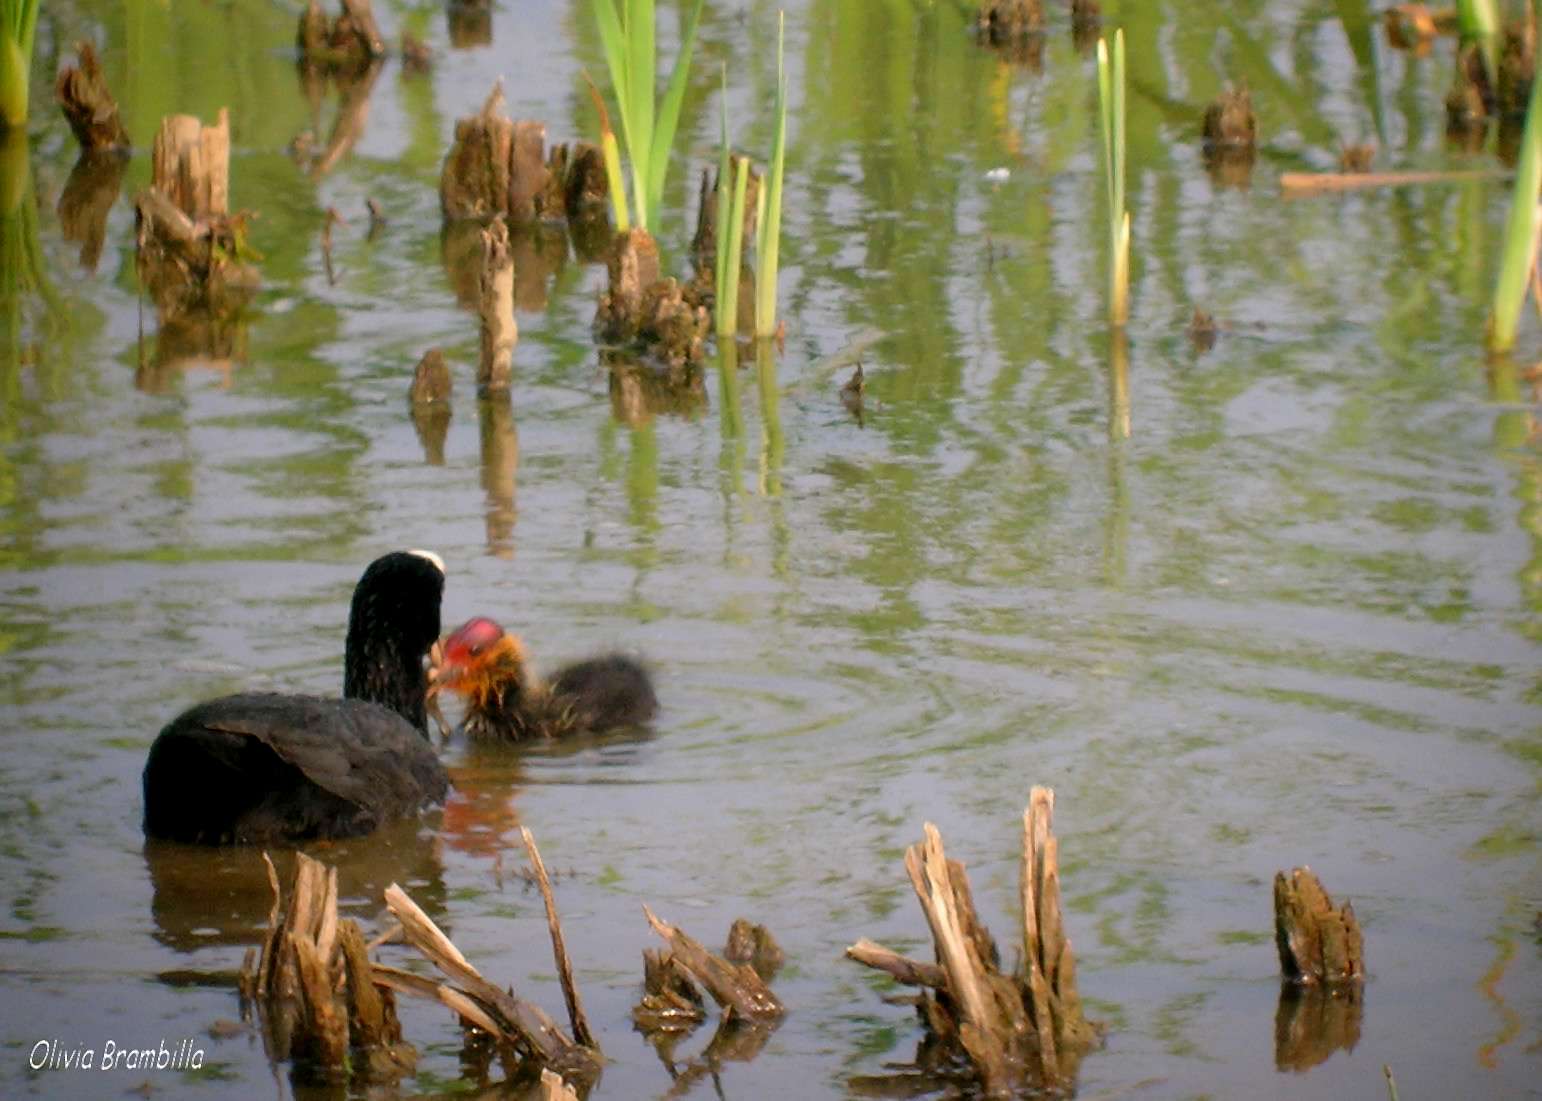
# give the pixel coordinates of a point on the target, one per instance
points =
(264, 767)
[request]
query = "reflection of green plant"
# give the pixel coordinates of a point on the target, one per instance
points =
(1520, 243)
(1111, 125)
(648, 127)
(18, 23)
(21, 257)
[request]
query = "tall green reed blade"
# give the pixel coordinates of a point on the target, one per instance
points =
(728, 301)
(1520, 243)
(768, 243)
(18, 25)
(1111, 125)
(1478, 21)
(669, 116)
(647, 127)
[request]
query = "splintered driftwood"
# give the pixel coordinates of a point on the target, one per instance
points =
(313, 986)
(672, 1005)
(1322, 960)
(520, 1026)
(190, 248)
(1021, 1030)
(500, 167)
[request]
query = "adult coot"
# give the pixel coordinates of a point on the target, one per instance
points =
(263, 767)
(507, 701)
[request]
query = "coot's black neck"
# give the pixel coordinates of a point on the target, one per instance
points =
(392, 623)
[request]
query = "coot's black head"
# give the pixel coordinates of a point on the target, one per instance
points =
(391, 625)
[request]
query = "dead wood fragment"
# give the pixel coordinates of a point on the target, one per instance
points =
(88, 105)
(431, 381)
(581, 1031)
(1229, 122)
(471, 23)
(586, 187)
(1356, 157)
(499, 332)
(753, 944)
(475, 180)
(735, 987)
(1471, 98)
(704, 242)
(191, 251)
(671, 1001)
(644, 311)
(313, 988)
(350, 40)
(512, 1022)
(1318, 945)
(1022, 1031)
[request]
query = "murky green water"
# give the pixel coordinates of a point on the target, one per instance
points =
(1295, 618)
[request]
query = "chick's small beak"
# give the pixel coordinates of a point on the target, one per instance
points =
(435, 668)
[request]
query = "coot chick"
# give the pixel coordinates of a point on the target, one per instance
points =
(264, 767)
(506, 700)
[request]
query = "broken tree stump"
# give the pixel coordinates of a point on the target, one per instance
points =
(351, 40)
(642, 310)
(88, 106)
(499, 332)
(1318, 944)
(1001, 22)
(704, 242)
(1019, 1031)
(191, 250)
(314, 987)
(497, 166)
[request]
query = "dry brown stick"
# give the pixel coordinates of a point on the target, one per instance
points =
(980, 1029)
(734, 986)
(327, 1031)
(366, 1010)
(532, 1026)
(903, 968)
(1304, 183)
(499, 331)
(581, 1030)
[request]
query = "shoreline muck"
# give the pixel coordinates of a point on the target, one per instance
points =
(53, 1055)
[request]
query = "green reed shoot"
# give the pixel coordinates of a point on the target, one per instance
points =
(730, 229)
(647, 125)
(769, 200)
(1478, 21)
(1520, 242)
(1111, 124)
(18, 24)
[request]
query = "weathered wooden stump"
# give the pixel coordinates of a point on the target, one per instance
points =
(314, 987)
(191, 250)
(1229, 122)
(352, 40)
(647, 312)
(704, 241)
(1001, 22)
(497, 166)
(1019, 1031)
(499, 332)
(88, 106)
(429, 397)
(1319, 945)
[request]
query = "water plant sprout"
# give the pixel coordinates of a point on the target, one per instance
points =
(1478, 21)
(730, 230)
(769, 203)
(18, 24)
(768, 215)
(648, 127)
(1520, 243)
(1111, 124)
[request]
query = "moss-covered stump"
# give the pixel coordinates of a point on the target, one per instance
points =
(88, 106)
(192, 252)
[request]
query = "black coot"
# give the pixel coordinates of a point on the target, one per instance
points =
(264, 767)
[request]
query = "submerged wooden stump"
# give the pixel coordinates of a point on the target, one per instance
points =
(499, 332)
(314, 987)
(648, 312)
(1003, 21)
(1318, 945)
(499, 167)
(353, 39)
(1229, 122)
(191, 250)
(1024, 1030)
(88, 106)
